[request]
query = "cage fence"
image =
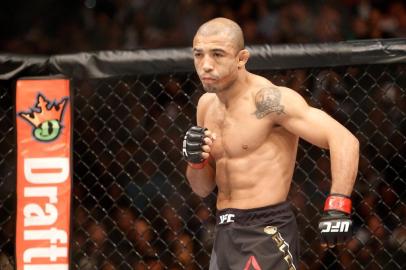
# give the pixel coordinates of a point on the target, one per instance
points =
(133, 208)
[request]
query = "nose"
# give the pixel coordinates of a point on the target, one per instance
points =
(207, 64)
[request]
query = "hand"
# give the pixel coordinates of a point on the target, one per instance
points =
(197, 146)
(336, 225)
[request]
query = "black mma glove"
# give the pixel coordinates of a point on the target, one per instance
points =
(335, 224)
(192, 147)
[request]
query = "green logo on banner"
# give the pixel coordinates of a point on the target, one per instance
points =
(46, 118)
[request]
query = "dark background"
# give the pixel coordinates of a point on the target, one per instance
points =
(55, 26)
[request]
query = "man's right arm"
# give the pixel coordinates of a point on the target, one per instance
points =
(202, 180)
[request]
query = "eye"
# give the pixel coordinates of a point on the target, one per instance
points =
(197, 54)
(217, 55)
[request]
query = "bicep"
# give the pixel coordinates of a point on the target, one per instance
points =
(314, 126)
(309, 123)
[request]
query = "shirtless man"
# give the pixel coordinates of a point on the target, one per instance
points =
(245, 143)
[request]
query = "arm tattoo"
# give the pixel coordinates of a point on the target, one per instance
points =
(268, 100)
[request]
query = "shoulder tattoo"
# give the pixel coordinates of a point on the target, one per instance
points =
(268, 100)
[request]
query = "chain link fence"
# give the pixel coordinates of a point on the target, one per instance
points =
(133, 208)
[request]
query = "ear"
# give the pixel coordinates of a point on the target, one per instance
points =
(243, 57)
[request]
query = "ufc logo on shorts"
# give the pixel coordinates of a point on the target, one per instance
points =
(226, 218)
(336, 226)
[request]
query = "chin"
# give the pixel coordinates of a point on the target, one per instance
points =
(210, 89)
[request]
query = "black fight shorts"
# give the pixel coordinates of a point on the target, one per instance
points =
(260, 239)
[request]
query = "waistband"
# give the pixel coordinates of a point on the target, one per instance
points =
(266, 214)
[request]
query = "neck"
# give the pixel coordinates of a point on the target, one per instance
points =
(227, 96)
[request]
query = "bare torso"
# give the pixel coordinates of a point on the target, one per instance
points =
(254, 158)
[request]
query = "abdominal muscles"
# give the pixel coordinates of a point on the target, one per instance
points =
(260, 177)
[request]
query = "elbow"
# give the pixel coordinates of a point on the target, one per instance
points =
(345, 140)
(352, 144)
(352, 140)
(202, 190)
(356, 144)
(201, 187)
(201, 193)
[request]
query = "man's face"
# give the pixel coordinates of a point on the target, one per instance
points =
(216, 61)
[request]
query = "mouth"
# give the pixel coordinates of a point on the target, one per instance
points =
(208, 79)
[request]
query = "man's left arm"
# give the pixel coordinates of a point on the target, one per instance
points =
(318, 128)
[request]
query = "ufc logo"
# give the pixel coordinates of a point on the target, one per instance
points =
(226, 218)
(336, 226)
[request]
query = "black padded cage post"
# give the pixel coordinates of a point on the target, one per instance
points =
(132, 206)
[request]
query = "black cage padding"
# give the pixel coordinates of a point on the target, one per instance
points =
(106, 64)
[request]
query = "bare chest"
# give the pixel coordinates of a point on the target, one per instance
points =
(238, 131)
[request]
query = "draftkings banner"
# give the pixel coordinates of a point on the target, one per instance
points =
(44, 175)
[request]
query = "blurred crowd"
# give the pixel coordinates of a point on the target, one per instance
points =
(51, 27)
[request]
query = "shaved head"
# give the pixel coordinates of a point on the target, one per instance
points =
(225, 27)
(219, 55)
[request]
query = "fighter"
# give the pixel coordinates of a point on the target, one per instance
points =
(245, 144)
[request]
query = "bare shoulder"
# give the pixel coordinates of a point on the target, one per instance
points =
(277, 100)
(205, 100)
(203, 105)
(268, 101)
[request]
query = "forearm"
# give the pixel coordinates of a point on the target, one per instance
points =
(201, 181)
(344, 156)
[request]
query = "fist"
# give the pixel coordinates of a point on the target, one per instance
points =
(197, 145)
(336, 225)
(335, 228)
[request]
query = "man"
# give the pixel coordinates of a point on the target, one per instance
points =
(245, 143)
